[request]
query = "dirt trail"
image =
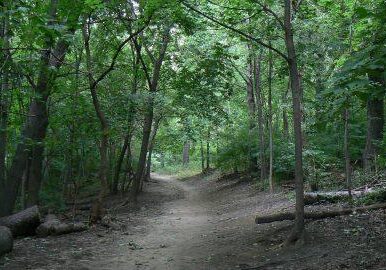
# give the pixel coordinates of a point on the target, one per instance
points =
(205, 223)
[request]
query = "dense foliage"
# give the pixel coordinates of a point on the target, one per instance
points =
(96, 94)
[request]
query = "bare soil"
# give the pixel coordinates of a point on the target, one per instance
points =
(207, 222)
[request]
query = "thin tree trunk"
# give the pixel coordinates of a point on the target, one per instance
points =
(149, 113)
(96, 211)
(151, 147)
(347, 150)
(270, 113)
(162, 159)
(5, 56)
(298, 230)
(185, 153)
(148, 120)
(129, 166)
(208, 151)
(202, 156)
(251, 104)
(131, 115)
(119, 164)
(285, 114)
(260, 117)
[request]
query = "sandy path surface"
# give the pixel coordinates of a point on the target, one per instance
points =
(206, 223)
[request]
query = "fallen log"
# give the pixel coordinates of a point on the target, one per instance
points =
(22, 223)
(318, 215)
(6, 240)
(53, 226)
(334, 196)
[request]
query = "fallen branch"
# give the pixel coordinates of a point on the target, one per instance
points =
(22, 223)
(318, 215)
(53, 226)
(334, 196)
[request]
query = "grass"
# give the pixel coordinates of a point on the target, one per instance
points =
(180, 171)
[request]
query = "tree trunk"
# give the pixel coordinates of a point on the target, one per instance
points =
(149, 113)
(119, 164)
(202, 156)
(260, 116)
(129, 172)
(185, 153)
(151, 147)
(208, 151)
(285, 114)
(347, 151)
(270, 116)
(251, 110)
(375, 124)
(298, 229)
(35, 126)
(131, 115)
(148, 120)
(35, 175)
(5, 57)
(104, 129)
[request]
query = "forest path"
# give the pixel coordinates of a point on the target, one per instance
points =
(200, 223)
(206, 223)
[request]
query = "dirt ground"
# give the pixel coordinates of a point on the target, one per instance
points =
(207, 223)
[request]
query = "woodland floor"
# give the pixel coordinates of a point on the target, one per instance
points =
(207, 223)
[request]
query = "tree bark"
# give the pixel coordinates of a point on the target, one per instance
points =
(5, 57)
(6, 240)
(148, 120)
(260, 116)
(285, 114)
(97, 211)
(35, 126)
(202, 156)
(317, 215)
(185, 153)
(149, 113)
(270, 125)
(298, 229)
(151, 147)
(53, 226)
(347, 151)
(35, 175)
(208, 151)
(22, 223)
(251, 104)
(119, 164)
(130, 122)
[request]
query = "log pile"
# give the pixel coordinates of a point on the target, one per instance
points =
(318, 215)
(23, 223)
(28, 222)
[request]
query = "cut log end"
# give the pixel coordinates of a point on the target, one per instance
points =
(22, 223)
(6, 240)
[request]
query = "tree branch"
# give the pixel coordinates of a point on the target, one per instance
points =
(241, 33)
(270, 11)
(118, 51)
